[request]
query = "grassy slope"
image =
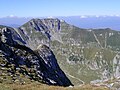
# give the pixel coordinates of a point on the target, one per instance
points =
(34, 86)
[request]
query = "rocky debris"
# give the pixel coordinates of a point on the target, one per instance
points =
(116, 66)
(113, 84)
(16, 59)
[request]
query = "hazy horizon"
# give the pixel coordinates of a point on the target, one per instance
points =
(81, 16)
(81, 13)
(41, 8)
(86, 22)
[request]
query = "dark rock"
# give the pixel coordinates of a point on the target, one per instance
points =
(52, 72)
(39, 65)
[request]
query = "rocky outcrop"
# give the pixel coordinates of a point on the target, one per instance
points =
(41, 31)
(39, 65)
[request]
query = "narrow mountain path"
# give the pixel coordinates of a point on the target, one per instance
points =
(76, 79)
(97, 39)
(105, 39)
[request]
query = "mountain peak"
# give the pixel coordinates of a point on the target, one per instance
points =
(45, 19)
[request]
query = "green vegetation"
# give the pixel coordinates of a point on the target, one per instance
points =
(36, 86)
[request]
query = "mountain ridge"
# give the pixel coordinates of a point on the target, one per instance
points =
(90, 55)
(16, 59)
(81, 21)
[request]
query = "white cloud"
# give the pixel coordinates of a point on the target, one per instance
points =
(83, 16)
(97, 16)
(117, 15)
(11, 16)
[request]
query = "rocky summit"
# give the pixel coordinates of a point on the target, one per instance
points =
(87, 56)
(18, 61)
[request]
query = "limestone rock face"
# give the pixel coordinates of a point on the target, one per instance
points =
(39, 65)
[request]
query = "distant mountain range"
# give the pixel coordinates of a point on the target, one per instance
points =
(13, 21)
(94, 21)
(80, 21)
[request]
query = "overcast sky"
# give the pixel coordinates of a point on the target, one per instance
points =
(38, 8)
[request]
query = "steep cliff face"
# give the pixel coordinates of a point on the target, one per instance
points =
(16, 59)
(52, 72)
